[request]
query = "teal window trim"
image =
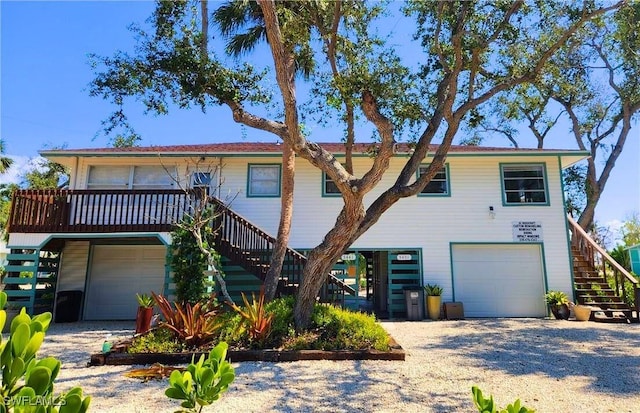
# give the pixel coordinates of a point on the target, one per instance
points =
(326, 194)
(543, 167)
(447, 177)
(274, 195)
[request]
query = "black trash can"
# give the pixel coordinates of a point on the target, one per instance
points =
(414, 299)
(68, 305)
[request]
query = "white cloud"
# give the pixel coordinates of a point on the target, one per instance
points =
(21, 164)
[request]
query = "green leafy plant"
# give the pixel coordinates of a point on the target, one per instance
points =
(335, 328)
(203, 382)
(553, 297)
(27, 383)
(189, 263)
(256, 321)
(161, 340)
(195, 324)
(145, 300)
(488, 406)
(433, 289)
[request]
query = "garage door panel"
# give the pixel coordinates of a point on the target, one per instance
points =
(119, 272)
(499, 280)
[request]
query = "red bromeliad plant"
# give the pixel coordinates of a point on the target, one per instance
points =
(195, 324)
(255, 319)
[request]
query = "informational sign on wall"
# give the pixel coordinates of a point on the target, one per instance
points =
(527, 231)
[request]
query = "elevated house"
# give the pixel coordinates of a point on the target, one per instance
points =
(490, 228)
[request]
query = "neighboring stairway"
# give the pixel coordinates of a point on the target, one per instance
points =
(600, 282)
(246, 245)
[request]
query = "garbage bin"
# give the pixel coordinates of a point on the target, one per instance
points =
(68, 305)
(414, 299)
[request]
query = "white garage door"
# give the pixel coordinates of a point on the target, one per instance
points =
(499, 280)
(117, 273)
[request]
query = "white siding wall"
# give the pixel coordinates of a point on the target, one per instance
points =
(430, 223)
(73, 266)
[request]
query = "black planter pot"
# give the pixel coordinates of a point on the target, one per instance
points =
(560, 312)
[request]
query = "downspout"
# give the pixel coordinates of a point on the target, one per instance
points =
(220, 180)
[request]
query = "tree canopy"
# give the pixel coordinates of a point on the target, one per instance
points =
(591, 87)
(464, 55)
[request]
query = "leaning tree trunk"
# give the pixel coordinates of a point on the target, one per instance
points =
(322, 258)
(284, 229)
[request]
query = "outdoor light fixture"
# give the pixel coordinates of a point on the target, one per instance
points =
(492, 213)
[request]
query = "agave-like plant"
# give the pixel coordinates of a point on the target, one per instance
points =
(193, 324)
(256, 321)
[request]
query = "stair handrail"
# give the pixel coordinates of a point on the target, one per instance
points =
(580, 236)
(221, 208)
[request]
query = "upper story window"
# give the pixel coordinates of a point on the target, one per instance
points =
(524, 184)
(264, 180)
(439, 184)
(130, 177)
(329, 188)
(201, 181)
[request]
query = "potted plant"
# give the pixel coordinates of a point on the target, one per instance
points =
(434, 300)
(145, 313)
(558, 303)
(582, 312)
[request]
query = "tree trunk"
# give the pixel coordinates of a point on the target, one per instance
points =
(593, 191)
(322, 258)
(284, 229)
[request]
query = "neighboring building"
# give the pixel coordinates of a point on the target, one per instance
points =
(490, 228)
(634, 258)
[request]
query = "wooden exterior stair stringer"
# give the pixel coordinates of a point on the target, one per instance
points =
(600, 282)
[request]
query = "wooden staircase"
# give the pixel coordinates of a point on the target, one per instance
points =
(600, 282)
(246, 245)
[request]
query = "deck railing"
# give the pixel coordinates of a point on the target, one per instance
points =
(83, 211)
(625, 285)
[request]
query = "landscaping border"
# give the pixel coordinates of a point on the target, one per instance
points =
(118, 356)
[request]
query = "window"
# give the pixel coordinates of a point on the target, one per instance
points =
(329, 188)
(201, 181)
(130, 177)
(264, 180)
(439, 184)
(524, 184)
(109, 177)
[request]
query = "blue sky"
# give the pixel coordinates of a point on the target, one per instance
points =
(44, 100)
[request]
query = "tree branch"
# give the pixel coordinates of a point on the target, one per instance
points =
(240, 115)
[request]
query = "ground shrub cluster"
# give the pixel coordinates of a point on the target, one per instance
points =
(257, 325)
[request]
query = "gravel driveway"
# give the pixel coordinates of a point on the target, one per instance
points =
(551, 365)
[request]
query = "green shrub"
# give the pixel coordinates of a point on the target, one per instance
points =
(188, 264)
(488, 406)
(342, 329)
(160, 340)
(27, 382)
(282, 310)
(204, 381)
(332, 328)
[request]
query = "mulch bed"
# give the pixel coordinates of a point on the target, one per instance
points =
(119, 356)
